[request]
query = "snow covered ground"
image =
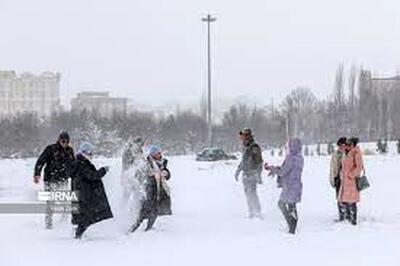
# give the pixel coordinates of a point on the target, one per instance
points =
(209, 226)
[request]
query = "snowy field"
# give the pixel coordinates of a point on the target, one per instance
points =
(209, 226)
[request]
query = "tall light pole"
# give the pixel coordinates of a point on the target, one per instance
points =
(209, 19)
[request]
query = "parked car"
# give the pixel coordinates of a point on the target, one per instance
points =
(214, 154)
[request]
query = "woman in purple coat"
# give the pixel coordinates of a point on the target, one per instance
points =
(289, 180)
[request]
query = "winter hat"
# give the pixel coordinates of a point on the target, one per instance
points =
(353, 141)
(295, 146)
(64, 135)
(341, 141)
(153, 149)
(246, 132)
(86, 148)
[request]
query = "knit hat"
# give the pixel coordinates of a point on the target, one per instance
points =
(246, 132)
(86, 148)
(353, 141)
(64, 135)
(153, 149)
(341, 141)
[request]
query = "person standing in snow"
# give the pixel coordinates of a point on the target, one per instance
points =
(251, 168)
(352, 168)
(55, 159)
(335, 171)
(289, 180)
(92, 198)
(157, 199)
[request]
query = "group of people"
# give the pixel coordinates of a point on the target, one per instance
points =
(288, 177)
(346, 166)
(145, 178)
(147, 174)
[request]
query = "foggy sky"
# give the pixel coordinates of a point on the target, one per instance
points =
(155, 51)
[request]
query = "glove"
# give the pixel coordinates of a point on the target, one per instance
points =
(164, 173)
(268, 167)
(36, 179)
(106, 168)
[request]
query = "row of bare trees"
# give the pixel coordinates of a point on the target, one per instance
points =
(356, 107)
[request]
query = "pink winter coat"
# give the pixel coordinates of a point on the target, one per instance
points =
(352, 166)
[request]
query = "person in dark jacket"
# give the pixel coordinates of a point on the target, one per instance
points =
(251, 168)
(92, 198)
(55, 159)
(335, 171)
(157, 201)
(289, 180)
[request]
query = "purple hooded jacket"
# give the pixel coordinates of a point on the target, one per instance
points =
(290, 173)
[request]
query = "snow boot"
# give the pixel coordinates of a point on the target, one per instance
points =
(353, 213)
(292, 219)
(342, 212)
(135, 226)
(80, 230)
(292, 225)
(150, 223)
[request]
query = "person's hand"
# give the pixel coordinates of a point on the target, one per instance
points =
(36, 179)
(164, 173)
(107, 168)
(268, 167)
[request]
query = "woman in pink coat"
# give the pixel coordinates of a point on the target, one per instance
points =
(352, 166)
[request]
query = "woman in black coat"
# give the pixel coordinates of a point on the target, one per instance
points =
(92, 197)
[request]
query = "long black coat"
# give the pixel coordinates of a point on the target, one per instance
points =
(55, 159)
(93, 203)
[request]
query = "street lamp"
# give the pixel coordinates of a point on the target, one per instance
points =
(209, 19)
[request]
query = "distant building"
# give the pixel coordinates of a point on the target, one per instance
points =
(28, 93)
(379, 84)
(99, 102)
(379, 99)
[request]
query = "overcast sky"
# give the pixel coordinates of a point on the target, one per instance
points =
(155, 51)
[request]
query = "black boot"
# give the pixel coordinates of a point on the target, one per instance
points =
(292, 226)
(80, 230)
(353, 213)
(135, 226)
(341, 211)
(151, 222)
(293, 218)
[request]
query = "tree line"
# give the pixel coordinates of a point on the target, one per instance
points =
(354, 108)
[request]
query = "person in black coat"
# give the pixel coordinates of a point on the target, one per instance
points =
(158, 199)
(92, 198)
(55, 160)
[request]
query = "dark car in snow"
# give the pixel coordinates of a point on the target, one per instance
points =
(214, 154)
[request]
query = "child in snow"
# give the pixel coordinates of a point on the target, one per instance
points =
(289, 180)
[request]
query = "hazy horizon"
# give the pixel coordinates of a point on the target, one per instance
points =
(262, 49)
